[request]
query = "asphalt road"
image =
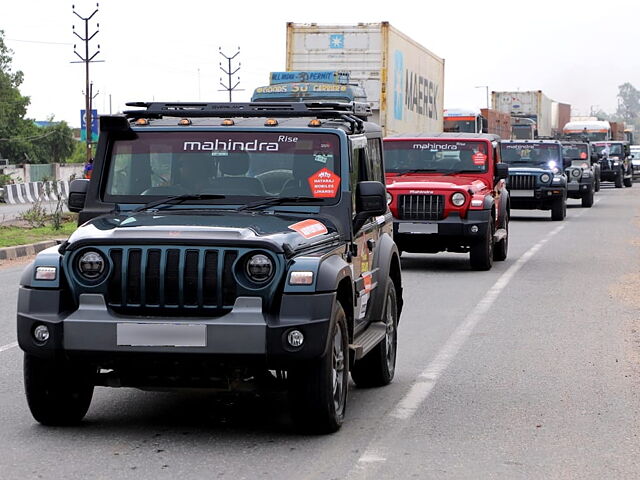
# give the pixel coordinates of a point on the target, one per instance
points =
(530, 370)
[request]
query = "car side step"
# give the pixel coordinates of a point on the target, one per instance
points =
(500, 234)
(368, 339)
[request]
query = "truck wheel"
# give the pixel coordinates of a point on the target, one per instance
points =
(587, 199)
(500, 248)
(481, 253)
(377, 368)
(559, 209)
(628, 182)
(318, 390)
(58, 392)
(618, 181)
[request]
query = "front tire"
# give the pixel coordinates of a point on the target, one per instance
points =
(318, 390)
(58, 392)
(481, 253)
(618, 180)
(377, 368)
(587, 199)
(559, 209)
(628, 182)
(501, 248)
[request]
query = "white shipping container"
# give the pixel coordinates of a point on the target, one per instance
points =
(530, 104)
(404, 81)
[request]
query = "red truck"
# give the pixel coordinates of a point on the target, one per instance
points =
(447, 192)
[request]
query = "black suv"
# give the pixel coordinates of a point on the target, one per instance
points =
(220, 245)
(615, 162)
(583, 175)
(536, 178)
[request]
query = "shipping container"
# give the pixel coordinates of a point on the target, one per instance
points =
(617, 131)
(560, 116)
(531, 104)
(404, 81)
(498, 123)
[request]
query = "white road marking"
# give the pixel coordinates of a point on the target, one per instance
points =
(8, 346)
(375, 454)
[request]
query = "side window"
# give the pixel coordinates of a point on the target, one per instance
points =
(358, 172)
(374, 157)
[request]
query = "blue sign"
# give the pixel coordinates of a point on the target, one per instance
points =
(94, 125)
(336, 40)
(321, 76)
(398, 85)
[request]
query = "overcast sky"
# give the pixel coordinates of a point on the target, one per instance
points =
(576, 52)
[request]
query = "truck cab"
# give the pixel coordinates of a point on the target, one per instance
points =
(459, 120)
(537, 180)
(446, 193)
(523, 128)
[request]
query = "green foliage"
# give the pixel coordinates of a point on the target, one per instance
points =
(79, 153)
(20, 139)
(628, 103)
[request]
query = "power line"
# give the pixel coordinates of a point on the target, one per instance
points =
(16, 139)
(37, 41)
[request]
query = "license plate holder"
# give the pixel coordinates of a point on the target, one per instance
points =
(521, 193)
(161, 335)
(418, 228)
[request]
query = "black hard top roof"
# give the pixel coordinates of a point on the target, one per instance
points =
(450, 135)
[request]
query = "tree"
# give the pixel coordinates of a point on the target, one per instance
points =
(53, 143)
(628, 103)
(14, 128)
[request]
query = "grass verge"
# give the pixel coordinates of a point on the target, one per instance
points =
(12, 236)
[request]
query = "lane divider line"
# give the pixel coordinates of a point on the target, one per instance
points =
(8, 346)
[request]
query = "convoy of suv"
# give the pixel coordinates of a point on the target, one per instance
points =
(229, 246)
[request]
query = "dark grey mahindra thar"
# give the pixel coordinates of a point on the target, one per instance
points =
(220, 245)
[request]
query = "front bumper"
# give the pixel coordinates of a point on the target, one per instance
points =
(438, 235)
(539, 199)
(245, 331)
(581, 188)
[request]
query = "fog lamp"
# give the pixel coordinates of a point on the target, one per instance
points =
(295, 338)
(41, 333)
(474, 229)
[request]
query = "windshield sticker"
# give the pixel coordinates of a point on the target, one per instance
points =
(479, 158)
(324, 183)
(309, 228)
(583, 155)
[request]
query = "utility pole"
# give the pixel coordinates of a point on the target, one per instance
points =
(230, 74)
(87, 59)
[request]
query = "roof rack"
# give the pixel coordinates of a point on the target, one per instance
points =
(353, 113)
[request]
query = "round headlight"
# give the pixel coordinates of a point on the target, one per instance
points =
(458, 199)
(91, 265)
(259, 268)
(389, 198)
(545, 177)
(576, 172)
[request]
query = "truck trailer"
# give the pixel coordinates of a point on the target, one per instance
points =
(403, 81)
(534, 105)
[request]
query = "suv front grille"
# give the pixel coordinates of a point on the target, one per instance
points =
(421, 207)
(522, 182)
(193, 279)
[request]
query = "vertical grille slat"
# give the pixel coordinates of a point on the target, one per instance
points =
(210, 281)
(171, 278)
(228, 283)
(152, 278)
(134, 271)
(113, 290)
(421, 207)
(190, 282)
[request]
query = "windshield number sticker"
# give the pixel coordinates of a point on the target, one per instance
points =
(479, 158)
(309, 228)
(324, 184)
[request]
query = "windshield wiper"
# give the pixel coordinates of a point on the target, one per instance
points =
(177, 200)
(417, 170)
(267, 202)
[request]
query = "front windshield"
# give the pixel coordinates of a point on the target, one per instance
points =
(531, 154)
(614, 148)
(232, 164)
(575, 151)
(587, 135)
(459, 125)
(440, 156)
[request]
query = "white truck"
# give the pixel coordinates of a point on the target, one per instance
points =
(404, 82)
(533, 105)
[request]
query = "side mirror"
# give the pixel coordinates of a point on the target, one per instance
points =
(371, 201)
(77, 194)
(502, 171)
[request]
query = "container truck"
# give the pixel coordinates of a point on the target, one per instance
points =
(484, 120)
(403, 81)
(560, 116)
(534, 105)
(617, 131)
